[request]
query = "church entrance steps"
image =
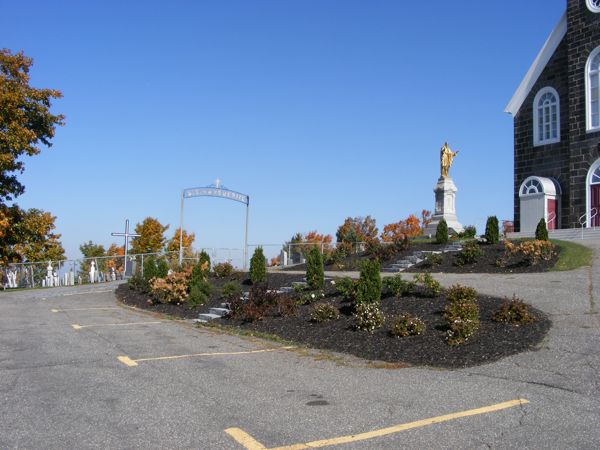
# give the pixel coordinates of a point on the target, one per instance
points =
(569, 234)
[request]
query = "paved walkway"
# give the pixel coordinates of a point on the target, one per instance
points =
(181, 387)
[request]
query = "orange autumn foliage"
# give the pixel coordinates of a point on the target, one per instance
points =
(411, 227)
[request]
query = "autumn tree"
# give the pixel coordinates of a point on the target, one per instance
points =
(117, 263)
(25, 120)
(152, 239)
(91, 250)
(36, 239)
(358, 229)
(187, 242)
(25, 125)
(412, 226)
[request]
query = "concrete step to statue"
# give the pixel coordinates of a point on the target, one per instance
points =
(226, 305)
(402, 265)
(286, 290)
(299, 284)
(219, 311)
(203, 318)
(413, 259)
(392, 270)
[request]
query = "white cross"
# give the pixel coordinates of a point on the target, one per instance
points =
(127, 235)
(218, 183)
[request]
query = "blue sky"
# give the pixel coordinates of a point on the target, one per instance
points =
(318, 110)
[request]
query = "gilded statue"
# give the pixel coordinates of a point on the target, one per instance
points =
(446, 158)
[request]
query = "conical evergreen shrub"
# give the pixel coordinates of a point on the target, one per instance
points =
(368, 289)
(315, 274)
(258, 267)
(441, 232)
(541, 232)
(492, 230)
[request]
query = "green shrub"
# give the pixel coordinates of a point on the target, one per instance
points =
(258, 267)
(492, 230)
(230, 289)
(368, 289)
(458, 293)
(441, 232)
(199, 272)
(434, 259)
(469, 253)
(324, 312)
(138, 283)
(397, 286)
(541, 232)
(150, 269)
(368, 317)
(223, 270)
(346, 287)
(204, 258)
(315, 275)
(430, 286)
(462, 318)
(469, 232)
(515, 312)
(199, 294)
(406, 325)
(162, 268)
(310, 297)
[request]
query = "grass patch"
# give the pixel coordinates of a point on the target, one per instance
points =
(572, 256)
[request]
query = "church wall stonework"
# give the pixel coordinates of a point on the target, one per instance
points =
(550, 160)
(569, 160)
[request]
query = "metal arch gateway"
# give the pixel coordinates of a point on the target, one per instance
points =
(215, 190)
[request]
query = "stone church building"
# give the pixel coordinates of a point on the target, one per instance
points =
(556, 112)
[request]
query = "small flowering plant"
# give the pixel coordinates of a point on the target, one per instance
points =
(310, 297)
(368, 317)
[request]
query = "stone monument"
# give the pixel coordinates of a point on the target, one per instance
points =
(445, 196)
(93, 272)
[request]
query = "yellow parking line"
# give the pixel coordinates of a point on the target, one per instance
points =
(249, 443)
(134, 362)
(54, 310)
(79, 327)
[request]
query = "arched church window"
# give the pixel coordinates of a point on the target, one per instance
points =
(593, 91)
(595, 176)
(532, 187)
(546, 117)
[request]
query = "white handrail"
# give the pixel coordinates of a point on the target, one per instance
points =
(584, 219)
(551, 218)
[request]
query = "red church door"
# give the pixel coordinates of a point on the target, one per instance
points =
(595, 188)
(551, 218)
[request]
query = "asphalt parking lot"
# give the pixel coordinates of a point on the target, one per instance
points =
(77, 370)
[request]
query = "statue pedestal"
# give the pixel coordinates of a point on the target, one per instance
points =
(445, 207)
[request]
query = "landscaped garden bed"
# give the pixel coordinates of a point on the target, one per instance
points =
(454, 328)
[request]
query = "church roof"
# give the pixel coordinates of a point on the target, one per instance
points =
(538, 66)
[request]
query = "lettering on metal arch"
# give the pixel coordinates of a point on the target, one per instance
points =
(215, 192)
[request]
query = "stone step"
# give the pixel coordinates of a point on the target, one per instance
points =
(225, 305)
(391, 270)
(219, 311)
(413, 259)
(299, 283)
(402, 265)
(286, 289)
(207, 317)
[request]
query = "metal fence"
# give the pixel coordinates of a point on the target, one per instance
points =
(100, 269)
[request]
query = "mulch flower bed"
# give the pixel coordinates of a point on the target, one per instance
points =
(492, 341)
(486, 263)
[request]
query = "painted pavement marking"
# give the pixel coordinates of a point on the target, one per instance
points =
(79, 327)
(134, 362)
(249, 443)
(56, 310)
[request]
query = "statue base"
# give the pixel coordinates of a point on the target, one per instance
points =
(445, 207)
